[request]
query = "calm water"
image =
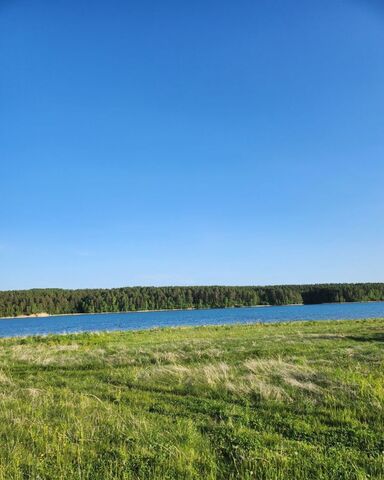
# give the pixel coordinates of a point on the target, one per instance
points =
(133, 321)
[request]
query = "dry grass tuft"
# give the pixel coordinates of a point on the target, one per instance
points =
(34, 392)
(272, 371)
(5, 379)
(214, 375)
(57, 355)
(167, 357)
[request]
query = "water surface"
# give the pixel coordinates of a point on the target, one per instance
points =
(221, 316)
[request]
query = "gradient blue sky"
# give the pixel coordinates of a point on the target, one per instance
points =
(204, 142)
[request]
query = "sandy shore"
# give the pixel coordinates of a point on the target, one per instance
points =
(32, 315)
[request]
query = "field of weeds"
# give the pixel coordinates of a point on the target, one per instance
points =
(283, 401)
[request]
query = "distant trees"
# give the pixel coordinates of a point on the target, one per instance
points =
(58, 301)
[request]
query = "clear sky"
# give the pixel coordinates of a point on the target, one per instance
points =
(202, 142)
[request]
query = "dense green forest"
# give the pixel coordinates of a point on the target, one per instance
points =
(56, 301)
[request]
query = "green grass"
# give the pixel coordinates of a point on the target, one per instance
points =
(288, 401)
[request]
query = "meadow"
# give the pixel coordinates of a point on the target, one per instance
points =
(293, 401)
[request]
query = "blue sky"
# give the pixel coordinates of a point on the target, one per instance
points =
(205, 142)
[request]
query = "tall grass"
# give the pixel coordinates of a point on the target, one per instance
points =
(289, 401)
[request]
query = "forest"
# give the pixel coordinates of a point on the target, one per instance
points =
(62, 301)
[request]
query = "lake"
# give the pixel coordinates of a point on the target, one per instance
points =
(221, 316)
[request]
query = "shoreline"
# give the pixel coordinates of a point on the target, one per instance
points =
(48, 315)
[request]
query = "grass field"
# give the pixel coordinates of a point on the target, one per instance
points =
(289, 401)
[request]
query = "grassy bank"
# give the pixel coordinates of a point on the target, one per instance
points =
(293, 401)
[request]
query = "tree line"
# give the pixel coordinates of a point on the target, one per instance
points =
(60, 301)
